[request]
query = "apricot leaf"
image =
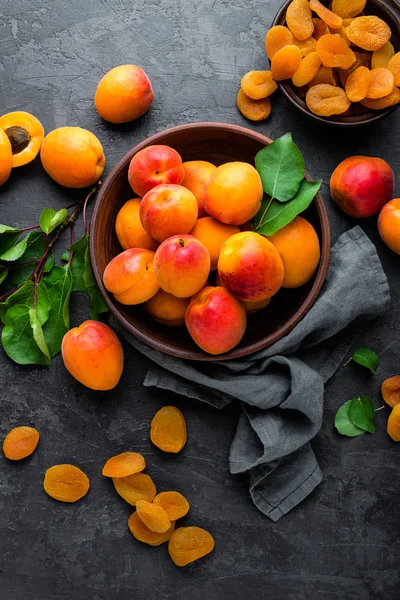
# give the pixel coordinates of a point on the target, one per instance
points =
(3, 273)
(25, 295)
(50, 219)
(16, 251)
(366, 358)
(22, 269)
(18, 337)
(38, 332)
(362, 413)
(343, 422)
(8, 237)
(59, 286)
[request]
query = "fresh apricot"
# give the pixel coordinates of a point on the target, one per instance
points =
(298, 247)
(215, 320)
(253, 307)
(197, 172)
(168, 209)
(250, 267)
(123, 94)
(73, 157)
(212, 234)
(25, 133)
(154, 165)
(129, 229)
(130, 276)
(6, 157)
(167, 309)
(233, 193)
(182, 265)
(389, 224)
(92, 353)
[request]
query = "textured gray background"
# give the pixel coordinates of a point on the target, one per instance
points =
(343, 541)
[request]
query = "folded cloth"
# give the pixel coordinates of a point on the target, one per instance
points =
(281, 388)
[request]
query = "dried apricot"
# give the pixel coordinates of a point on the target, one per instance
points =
(369, 33)
(255, 110)
(153, 516)
(381, 83)
(258, 84)
(381, 57)
(20, 442)
(394, 67)
(331, 19)
(168, 429)
(138, 486)
(357, 84)
(348, 8)
(327, 100)
(342, 31)
(306, 46)
(188, 544)
(320, 28)
(334, 52)
(285, 62)
(362, 60)
(385, 102)
(393, 427)
(276, 38)
(143, 534)
(299, 19)
(307, 70)
(391, 391)
(124, 464)
(324, 75)
(66, 483)
(175, 505)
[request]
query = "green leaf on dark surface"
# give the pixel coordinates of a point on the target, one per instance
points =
(25, 295)
(59, 286)
(3, 308)
(21, 272)
(366, 358)
(8, 237)
(50, 219)
(3, 273)
(281, 168)
(15, 252)
(362, 413)
(18, 338)
(275, 216)
(49, 262)
(38, 332)
(343, 422)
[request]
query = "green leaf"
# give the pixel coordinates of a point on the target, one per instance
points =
(49, 263)
(15, 252)
(21, 272)
(59, 286)
(270, 219)
(3, 273)
(343, 422)
(366, 358)
(3, 308)
(362, 413)
(281, 168)
(17, 337)
(8, 237)
(38, 332)
(25, 295)
(50, 219)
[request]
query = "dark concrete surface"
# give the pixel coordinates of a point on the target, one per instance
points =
(341, 542)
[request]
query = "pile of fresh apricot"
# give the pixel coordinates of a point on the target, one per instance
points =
(189, 226)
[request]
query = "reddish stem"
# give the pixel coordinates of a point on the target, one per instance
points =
(35, 291)
(71, 252)
(29, 228)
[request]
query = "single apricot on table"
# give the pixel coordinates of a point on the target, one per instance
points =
(93, 354)
(299, 249)
(393, 424)
(6, 157)
(132, 488)
(73, 157)
(130, 231)
(123, 94)
(391, 390)
(66, 483)
(197, 172)
(389, 224)
(154, 165)
(124, 464)
(212, 234)
(188, 544)
(153, 516)
(130, 276)
(25, 133)
(167, 309)
(175, 505)
(20, 442)
(168, 429)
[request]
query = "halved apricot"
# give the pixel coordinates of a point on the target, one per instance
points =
(26, 135)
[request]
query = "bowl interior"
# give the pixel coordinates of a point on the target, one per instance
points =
(389, 11)
(216, 143)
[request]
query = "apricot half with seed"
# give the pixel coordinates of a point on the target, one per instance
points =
(25, 133)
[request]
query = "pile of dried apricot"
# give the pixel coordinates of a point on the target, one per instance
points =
(341, 61)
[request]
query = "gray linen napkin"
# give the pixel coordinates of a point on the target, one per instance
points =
(281, 388)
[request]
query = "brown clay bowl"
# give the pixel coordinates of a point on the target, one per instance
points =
(218, 143)
(389, 11)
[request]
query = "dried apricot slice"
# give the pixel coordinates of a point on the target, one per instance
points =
(320, 28)
(168, 429)
(20, 442)
(327, 100)
(124, 464)
(258, 84)
(381, 83)
(143, 534)
(357, 84)
(307, 70)
(276, 38)
(153, 516)
(324, 75)
(255, 110)
(362, 60)
(393, 426)
(331, 19)
(306, 46)
(342, 31)
(381, 57)
(394, 67)
(66, 483)
(348, 8)
(132, 488)
(188, 544)
(299, 19)
(334, 52)
(26, 135)
(175, 505)
(391, 390)
(369, 33)
(385, 102)
(285, 62)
